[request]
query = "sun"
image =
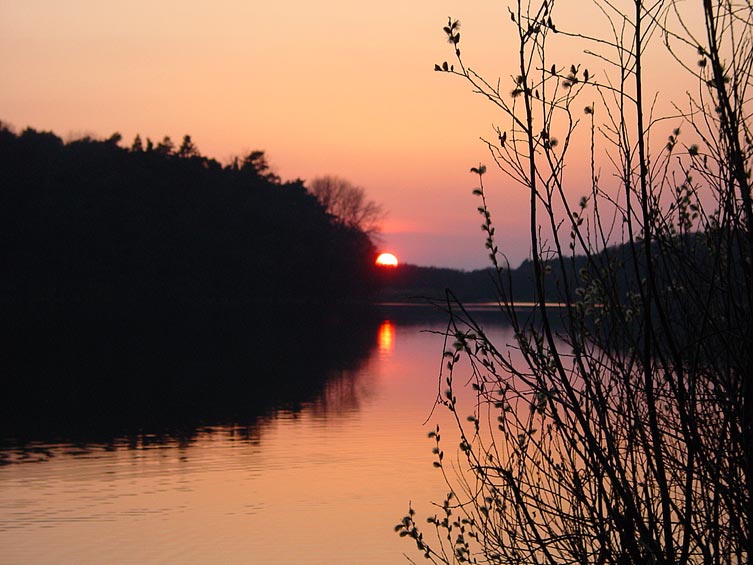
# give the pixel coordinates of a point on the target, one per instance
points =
(386, 260)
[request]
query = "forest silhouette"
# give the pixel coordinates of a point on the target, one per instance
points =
(91, 226)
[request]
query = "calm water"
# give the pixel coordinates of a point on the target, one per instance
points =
(323, 481)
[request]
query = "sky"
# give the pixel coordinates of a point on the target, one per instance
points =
(323, 87)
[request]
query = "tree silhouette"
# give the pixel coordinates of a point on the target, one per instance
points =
(347, 203)
(166, 146)
(617, 426)
(187, 148)
(137, 146)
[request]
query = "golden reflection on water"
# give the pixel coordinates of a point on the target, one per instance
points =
(386, 337)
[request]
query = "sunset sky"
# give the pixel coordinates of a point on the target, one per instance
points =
(326, 87)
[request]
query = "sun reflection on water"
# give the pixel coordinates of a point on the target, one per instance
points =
(386, 337)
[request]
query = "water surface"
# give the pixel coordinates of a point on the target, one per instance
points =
(320, 480)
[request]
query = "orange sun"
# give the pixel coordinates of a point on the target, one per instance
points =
(386, 260)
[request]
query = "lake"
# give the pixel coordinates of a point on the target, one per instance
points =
(321, 477)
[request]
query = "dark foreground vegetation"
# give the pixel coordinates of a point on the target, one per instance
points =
(618, 428)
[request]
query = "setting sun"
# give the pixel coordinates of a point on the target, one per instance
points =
(386, 260)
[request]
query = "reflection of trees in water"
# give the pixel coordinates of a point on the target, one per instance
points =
(135, 384)
(343, 393)
(38, 449)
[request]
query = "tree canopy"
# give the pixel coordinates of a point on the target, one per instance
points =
(92, 225)
(347, 203)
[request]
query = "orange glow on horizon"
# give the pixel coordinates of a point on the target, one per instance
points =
(386, 260)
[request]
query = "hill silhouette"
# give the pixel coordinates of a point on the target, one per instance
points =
(619, 266)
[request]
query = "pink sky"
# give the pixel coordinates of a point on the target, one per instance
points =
(326, 87)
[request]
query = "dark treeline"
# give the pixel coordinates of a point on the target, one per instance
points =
(412, 282)
(91, 225)
(579, 278)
